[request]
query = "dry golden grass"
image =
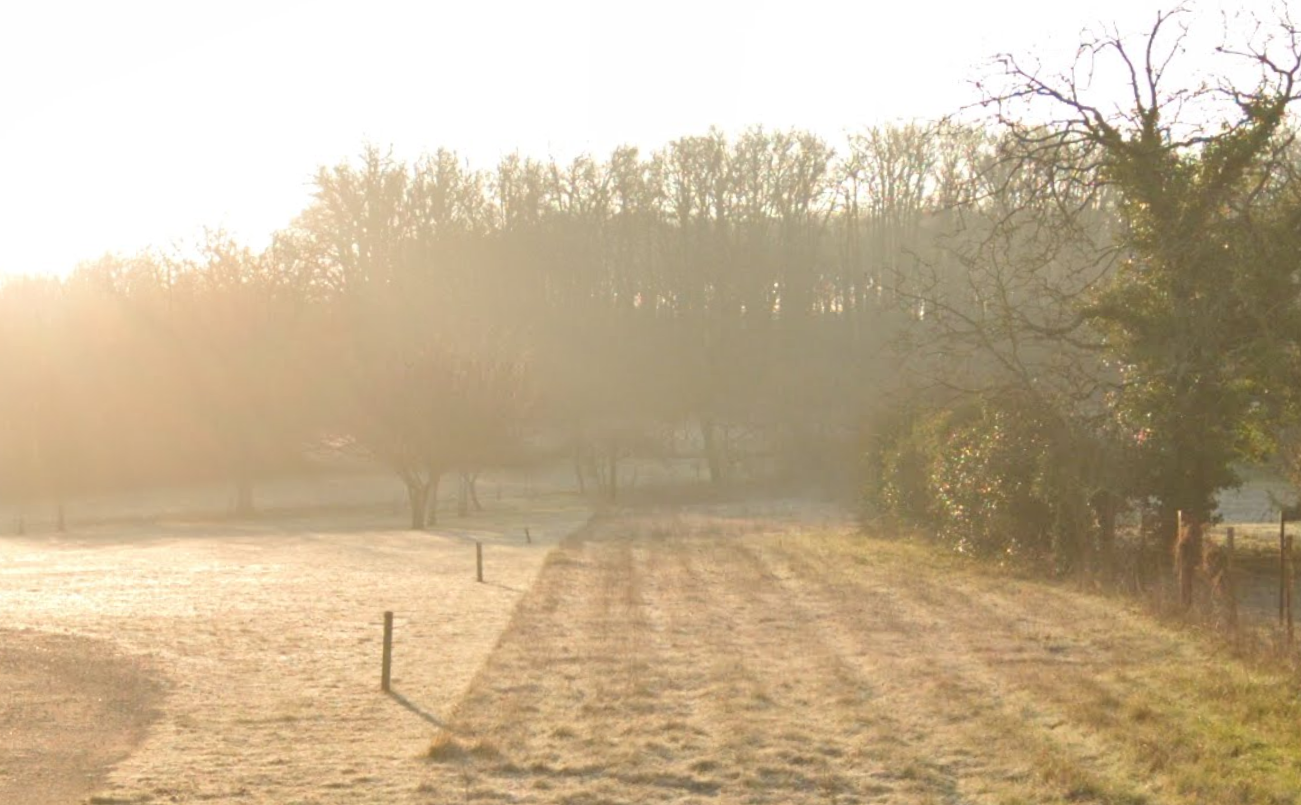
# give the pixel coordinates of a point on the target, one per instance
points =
(726, 655)
(267, 635)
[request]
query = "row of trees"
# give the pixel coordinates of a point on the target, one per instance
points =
(426, 312)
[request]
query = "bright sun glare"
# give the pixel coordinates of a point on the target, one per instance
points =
(135, 124)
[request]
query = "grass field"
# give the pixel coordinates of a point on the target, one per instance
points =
(743, 652)
(746, 655)
(251, 651)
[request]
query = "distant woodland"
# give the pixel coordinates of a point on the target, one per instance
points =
(1014, 328)
(443, 319)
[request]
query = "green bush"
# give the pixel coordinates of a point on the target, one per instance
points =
(999, 477)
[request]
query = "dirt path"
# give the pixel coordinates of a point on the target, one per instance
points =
(268, 638)
(719, 657)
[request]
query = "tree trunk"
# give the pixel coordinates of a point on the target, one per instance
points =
(1159, 529)
(474, 492)
(418, 497)
(1104, 507)
(713, 450)
(1188, 555)
(431, 514)
(578, 465)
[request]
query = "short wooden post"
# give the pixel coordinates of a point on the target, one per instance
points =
(527, 536)
(1181, 560)
(387, 666)
(478, 561)
(1229, 588)
(1282, 568)
(1288, 588)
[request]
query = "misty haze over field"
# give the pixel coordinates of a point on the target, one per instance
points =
(660, 402)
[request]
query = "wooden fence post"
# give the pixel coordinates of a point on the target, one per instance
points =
(1182, 576)
(478, 561)
(387, 663)
(1229, 588)
(1289, 584)
(1282, 569)
(527, 536)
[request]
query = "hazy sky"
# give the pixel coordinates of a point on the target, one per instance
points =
(130, 123)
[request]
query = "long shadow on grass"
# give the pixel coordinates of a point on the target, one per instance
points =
(415, 708)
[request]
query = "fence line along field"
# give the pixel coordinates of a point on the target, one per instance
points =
(255, 647)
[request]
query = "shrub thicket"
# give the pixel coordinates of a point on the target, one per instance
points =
(996, 477)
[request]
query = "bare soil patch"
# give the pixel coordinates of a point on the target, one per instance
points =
(70, 708)
(741, 655)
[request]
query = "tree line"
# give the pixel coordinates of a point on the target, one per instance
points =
(1011, 329)
(730, 296)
